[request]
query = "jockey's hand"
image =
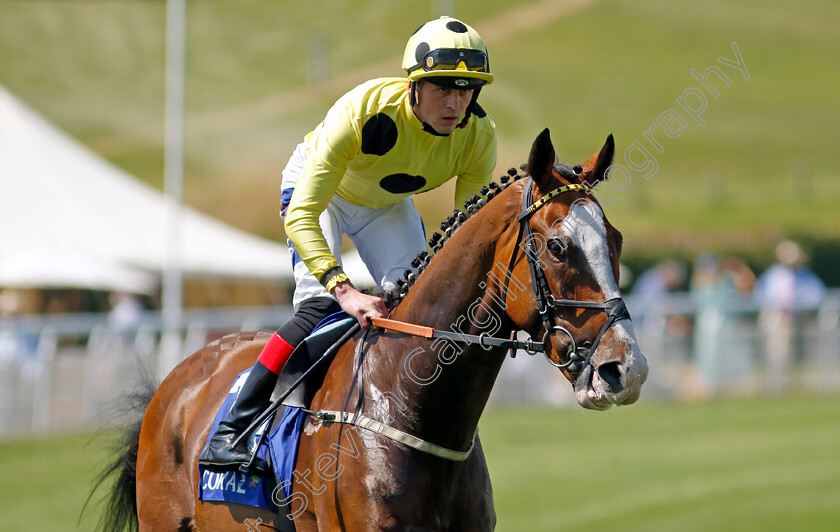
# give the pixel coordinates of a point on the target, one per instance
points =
(360, 306)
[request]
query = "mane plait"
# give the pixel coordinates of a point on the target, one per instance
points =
(572, 174)
(447, 228)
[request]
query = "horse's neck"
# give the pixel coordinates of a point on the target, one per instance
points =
(445, 385)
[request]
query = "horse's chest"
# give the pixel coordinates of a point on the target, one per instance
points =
(382, 479)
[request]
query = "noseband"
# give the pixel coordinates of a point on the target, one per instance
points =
(546, 302)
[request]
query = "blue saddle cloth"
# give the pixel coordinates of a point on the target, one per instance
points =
(281, 444)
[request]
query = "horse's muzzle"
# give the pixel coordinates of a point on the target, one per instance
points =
(616, 372)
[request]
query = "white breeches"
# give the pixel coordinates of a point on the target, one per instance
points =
(387, 239)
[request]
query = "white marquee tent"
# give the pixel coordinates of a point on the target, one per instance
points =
(69, 218)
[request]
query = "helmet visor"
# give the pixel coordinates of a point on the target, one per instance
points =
(455, 59)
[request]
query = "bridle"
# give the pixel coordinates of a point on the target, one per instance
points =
(546, 302)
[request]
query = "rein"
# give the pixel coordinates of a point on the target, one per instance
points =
(486, 342)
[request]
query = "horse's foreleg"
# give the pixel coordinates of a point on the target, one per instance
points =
(475, 509)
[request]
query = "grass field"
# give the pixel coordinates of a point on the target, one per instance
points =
(755, 465)
(735, 465)
(763, 163)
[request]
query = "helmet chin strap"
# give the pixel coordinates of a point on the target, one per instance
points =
(429, 129)
(470, 107)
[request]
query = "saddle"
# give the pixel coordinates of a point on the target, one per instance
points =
(325, 335)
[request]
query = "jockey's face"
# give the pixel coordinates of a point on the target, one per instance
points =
(440, 107)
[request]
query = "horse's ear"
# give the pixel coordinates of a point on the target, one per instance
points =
(541, 161)
(595, 168)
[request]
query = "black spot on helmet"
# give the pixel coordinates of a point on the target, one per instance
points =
(420, 52)
(457, 26)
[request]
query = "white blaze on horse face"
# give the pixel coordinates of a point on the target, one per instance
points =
(586, 227)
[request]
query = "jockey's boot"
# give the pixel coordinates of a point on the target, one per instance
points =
(254, 396)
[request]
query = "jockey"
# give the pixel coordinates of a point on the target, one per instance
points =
(380, 143)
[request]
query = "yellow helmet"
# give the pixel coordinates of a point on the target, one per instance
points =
(447, 48)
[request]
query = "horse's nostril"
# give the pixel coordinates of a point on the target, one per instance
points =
(610, 373)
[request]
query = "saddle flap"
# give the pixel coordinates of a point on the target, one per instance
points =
(325, 336)
(327, 333)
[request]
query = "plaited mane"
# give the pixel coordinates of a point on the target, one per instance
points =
(456, 219)
(451, 224)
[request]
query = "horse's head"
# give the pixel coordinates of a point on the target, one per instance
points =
(572, 254)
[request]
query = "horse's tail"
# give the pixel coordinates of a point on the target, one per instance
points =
(120, 512)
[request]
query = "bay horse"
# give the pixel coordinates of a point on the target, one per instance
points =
(548, 267)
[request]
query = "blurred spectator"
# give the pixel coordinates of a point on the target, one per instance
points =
(126, 311)
(721, 351)
(705, 281)
(784, 287)
(741, 277)
(123, 318)
(656, 316)
(652, 287)
(14, 344)
(789, 283)
(714, 280)
(666, 276)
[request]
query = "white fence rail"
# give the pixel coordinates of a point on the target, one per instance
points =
(61, 373)
(67, 372)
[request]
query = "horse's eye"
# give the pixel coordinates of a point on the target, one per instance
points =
(557, 248)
